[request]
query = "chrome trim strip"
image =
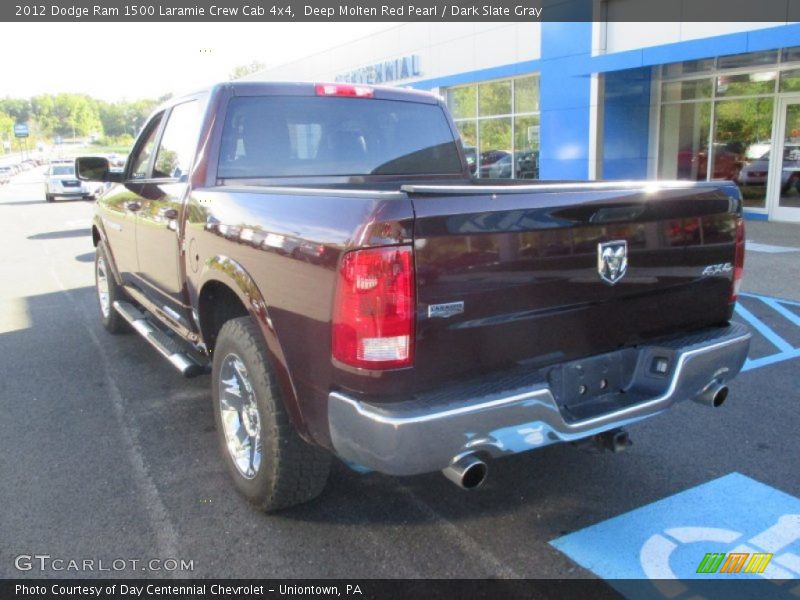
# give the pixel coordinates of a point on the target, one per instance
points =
(644, 186)
(301, 191)
(462, 410)
(175, 316)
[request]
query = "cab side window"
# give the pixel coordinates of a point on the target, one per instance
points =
(175, 152)
(140, 162)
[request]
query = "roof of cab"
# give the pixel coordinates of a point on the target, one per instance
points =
(308, 88)
(299, 88)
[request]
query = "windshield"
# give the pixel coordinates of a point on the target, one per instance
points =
(278, 136)
(64, 170)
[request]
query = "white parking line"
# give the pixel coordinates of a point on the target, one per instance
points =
(166, 537)
(768, 248)
(786, 351)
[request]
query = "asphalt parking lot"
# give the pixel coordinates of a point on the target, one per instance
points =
(107, 453)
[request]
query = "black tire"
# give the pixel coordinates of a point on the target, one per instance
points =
(111, 319)
(291, 471)
(49, 197)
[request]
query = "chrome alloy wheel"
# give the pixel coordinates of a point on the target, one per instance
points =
(101, 276)
(241, 423)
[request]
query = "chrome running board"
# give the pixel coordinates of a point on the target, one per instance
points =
(168, 347)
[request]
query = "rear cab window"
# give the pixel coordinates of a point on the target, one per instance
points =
(296, 136)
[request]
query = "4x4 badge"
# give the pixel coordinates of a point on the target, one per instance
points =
(612, 260)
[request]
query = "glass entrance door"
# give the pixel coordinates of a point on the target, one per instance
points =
(785, 172)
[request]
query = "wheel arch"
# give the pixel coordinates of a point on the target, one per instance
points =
(98, 237)
(228, 291)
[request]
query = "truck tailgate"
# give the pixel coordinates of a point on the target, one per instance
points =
(526, 266)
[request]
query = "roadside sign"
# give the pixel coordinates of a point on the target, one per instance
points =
(21, 130)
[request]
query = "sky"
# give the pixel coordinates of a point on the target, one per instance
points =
(115, 61)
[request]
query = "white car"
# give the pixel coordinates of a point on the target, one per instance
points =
(755, 172)
(60, 182)
(5, 175)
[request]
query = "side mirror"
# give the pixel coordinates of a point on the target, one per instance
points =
(95, 168)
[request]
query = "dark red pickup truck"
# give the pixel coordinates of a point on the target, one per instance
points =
(324, 251)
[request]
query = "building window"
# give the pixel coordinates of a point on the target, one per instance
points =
(499, 126)
(683, 148)
(716, 118)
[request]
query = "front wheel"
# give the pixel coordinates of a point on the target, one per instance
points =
(108, 292)
(270, 464)
(49, 197)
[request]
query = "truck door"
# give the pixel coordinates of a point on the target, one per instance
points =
(158, 227)
(119, 206)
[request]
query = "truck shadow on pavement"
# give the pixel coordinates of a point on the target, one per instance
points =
(23, 202)
(31, 202)
(171, 423)
(57, 235)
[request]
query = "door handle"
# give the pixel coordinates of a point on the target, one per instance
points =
(133, 205)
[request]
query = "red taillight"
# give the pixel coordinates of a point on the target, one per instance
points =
(351, 91)
(373, 314)
(738, 263)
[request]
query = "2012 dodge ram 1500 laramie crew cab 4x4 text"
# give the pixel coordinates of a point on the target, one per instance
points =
(323, 250)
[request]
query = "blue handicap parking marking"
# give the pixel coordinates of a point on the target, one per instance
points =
(787, 309)
(666, 541)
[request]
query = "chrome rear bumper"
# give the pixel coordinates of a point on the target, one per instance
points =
(418, 436)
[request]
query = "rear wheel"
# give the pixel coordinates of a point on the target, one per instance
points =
(49, 197)
(108, 292)
(270, 464)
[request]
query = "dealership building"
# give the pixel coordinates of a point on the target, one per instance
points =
(610, 100)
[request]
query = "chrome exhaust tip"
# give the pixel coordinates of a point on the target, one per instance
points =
(715, 395)
(467, 471)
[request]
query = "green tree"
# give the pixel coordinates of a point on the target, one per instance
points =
(51, 115)
(6, 128)
(141, 109)
(125, 118)
(78, 115)
(114, 118)
(43, 111)
(18, 109)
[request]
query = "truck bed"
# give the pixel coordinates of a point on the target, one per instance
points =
(524, 261)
